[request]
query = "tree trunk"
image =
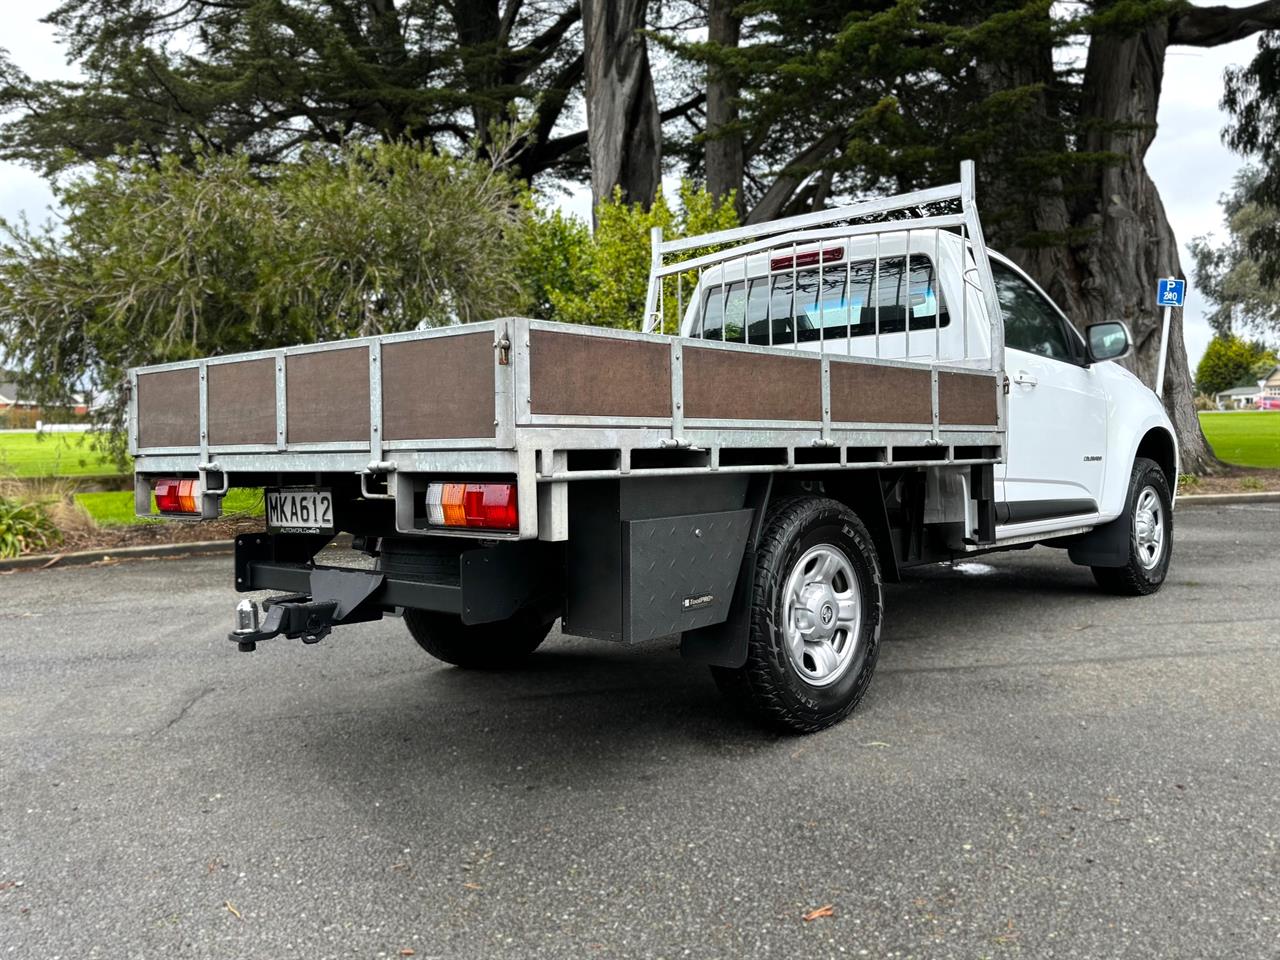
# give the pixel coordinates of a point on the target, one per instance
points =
(1011, 213)
(1110, 275)
(1115, 205)
(623, 128)
(1130, 241)
(723, 151)
(1132, 244)
(477, 23)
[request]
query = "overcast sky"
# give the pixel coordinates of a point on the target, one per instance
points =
(1188, 161)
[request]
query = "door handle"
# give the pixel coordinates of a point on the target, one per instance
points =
(1024, 379)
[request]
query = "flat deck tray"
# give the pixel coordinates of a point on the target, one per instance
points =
(491, 385)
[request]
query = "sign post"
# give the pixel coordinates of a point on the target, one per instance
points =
(1170, 293)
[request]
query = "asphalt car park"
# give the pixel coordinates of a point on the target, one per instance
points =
(1038, 770)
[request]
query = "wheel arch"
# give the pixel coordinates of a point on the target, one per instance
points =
(862, 491)
(1159, 445)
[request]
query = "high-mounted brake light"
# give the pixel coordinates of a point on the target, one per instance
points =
(177, 496)
(807, 259)
(489, 506)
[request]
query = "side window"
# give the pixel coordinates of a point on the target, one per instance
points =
(1030, 321)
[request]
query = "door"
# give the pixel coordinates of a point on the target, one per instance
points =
(1057, 414)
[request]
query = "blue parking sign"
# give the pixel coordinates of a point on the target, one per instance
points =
(1170, 292)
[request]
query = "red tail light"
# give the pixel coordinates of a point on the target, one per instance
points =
(807, 259)
(177, 496)
(488, 506)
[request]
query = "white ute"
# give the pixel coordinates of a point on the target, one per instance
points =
(813, 406)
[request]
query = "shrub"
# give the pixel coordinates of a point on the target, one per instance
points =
(24, 527)
(1231, 362)
(158, 262)
(575, 275)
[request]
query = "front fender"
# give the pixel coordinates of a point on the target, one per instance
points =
(1133, 412)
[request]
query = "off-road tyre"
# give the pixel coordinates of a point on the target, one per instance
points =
(1136, 578)
(769, 685)
(482, 646)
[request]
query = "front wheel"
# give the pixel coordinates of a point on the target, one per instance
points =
(1150, 513)
(815, 618)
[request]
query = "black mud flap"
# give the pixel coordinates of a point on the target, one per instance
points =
(724, 644)
(1104, 546)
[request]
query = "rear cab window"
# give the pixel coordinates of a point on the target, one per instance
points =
(834, 301)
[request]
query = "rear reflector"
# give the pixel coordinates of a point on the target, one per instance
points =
(178, 496)
(807, 259)
(487, 506)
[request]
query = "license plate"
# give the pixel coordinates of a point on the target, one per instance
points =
(300, 510)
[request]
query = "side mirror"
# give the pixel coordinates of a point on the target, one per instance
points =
(1108, 341)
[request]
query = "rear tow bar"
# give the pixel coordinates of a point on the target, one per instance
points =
(337, 596)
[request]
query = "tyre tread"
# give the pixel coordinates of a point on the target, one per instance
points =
(1131, 580)
(753, 686)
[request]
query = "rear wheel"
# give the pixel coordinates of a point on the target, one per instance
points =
(1150, 512)
(815, 618)
(481, 646)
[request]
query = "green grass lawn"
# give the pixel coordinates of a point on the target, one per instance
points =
(1246, 439)
(52, 455)
(116, 508)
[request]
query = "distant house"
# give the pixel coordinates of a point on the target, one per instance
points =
(1270, 390)
(10, 399)
(1238, 398)
(1263, 395)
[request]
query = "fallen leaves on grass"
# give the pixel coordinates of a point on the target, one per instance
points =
(231, 908)
(827, 911)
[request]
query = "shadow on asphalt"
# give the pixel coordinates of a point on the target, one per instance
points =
(595, 708)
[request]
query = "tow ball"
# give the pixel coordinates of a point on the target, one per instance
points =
(339, 596)
(294, 615)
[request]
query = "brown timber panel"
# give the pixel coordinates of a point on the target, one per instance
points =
(327, 396)
(869, 393)
(242, 402)
(966, 398)
(438, 388)
(733, 385)
(577, 374)
(169, 408)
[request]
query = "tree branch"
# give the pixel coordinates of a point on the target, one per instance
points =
(1212, 26)
(683, 107)
(784, 186)
(544, 42)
